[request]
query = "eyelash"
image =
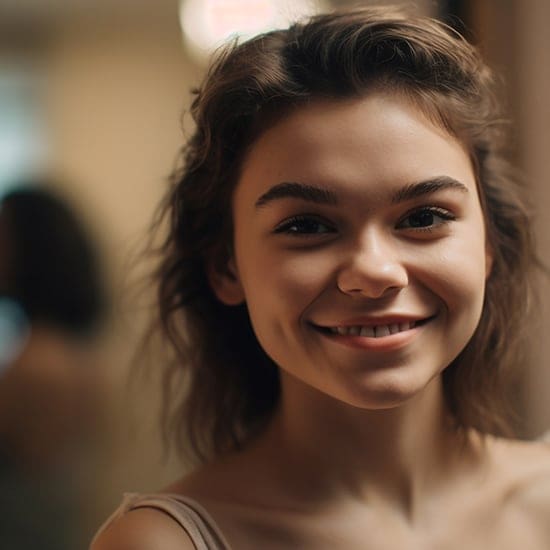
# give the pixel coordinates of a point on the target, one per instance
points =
(445, 215)
(287, 225)
(302, 219)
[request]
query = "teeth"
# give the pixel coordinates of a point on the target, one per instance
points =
(378, 331)
(394, 328)
(382, 330)
(368, 331)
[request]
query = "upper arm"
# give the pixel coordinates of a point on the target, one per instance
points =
(143, 529)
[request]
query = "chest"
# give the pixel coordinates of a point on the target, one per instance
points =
(477, 528)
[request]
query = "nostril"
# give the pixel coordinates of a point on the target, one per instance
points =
(371, 290)
(372, 277)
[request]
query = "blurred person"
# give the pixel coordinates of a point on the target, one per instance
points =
(51, 304)
(345, 281)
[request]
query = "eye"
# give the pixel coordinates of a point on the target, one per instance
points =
(305, 225)
(425, 218)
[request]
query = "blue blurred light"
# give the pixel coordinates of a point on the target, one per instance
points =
(14, 330)
(22, 143)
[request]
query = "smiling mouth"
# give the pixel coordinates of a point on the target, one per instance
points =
(373, 331)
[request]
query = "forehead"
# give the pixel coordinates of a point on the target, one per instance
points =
(377, 141)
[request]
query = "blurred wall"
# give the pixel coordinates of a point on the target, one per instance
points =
(532, 108)
(515, 38)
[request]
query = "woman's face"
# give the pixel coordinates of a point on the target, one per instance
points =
(360, 248)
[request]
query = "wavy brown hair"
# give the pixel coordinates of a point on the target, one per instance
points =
(222, 388)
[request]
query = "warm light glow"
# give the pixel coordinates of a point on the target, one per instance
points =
(207, 24)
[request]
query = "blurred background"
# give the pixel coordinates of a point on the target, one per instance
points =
(93, 96)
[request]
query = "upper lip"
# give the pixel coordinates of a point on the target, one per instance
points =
(372, 321)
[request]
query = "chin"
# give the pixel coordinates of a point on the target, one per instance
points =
(388, 394)
(377, 402)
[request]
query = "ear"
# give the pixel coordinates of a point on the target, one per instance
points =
(225, 282)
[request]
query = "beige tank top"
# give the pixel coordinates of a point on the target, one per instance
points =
(192, 517)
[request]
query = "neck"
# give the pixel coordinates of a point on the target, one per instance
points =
(333, 451)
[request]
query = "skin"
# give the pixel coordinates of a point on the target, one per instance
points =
(360, 453)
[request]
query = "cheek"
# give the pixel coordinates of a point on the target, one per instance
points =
(287, 280)
(456, 272)
(278, 290)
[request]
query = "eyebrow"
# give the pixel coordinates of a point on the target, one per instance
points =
(303, 191)
(427, 187)
(321, 195)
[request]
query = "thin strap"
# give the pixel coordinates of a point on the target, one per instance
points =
(188, 513)
(192, 517)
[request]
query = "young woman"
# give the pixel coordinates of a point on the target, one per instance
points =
(344, 280)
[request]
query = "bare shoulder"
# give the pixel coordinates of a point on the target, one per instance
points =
(525, 467)
(535, 489)
(143, 529)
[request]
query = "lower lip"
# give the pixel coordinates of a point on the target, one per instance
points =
(382, 343)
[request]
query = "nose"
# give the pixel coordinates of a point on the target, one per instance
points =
(372, 269)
